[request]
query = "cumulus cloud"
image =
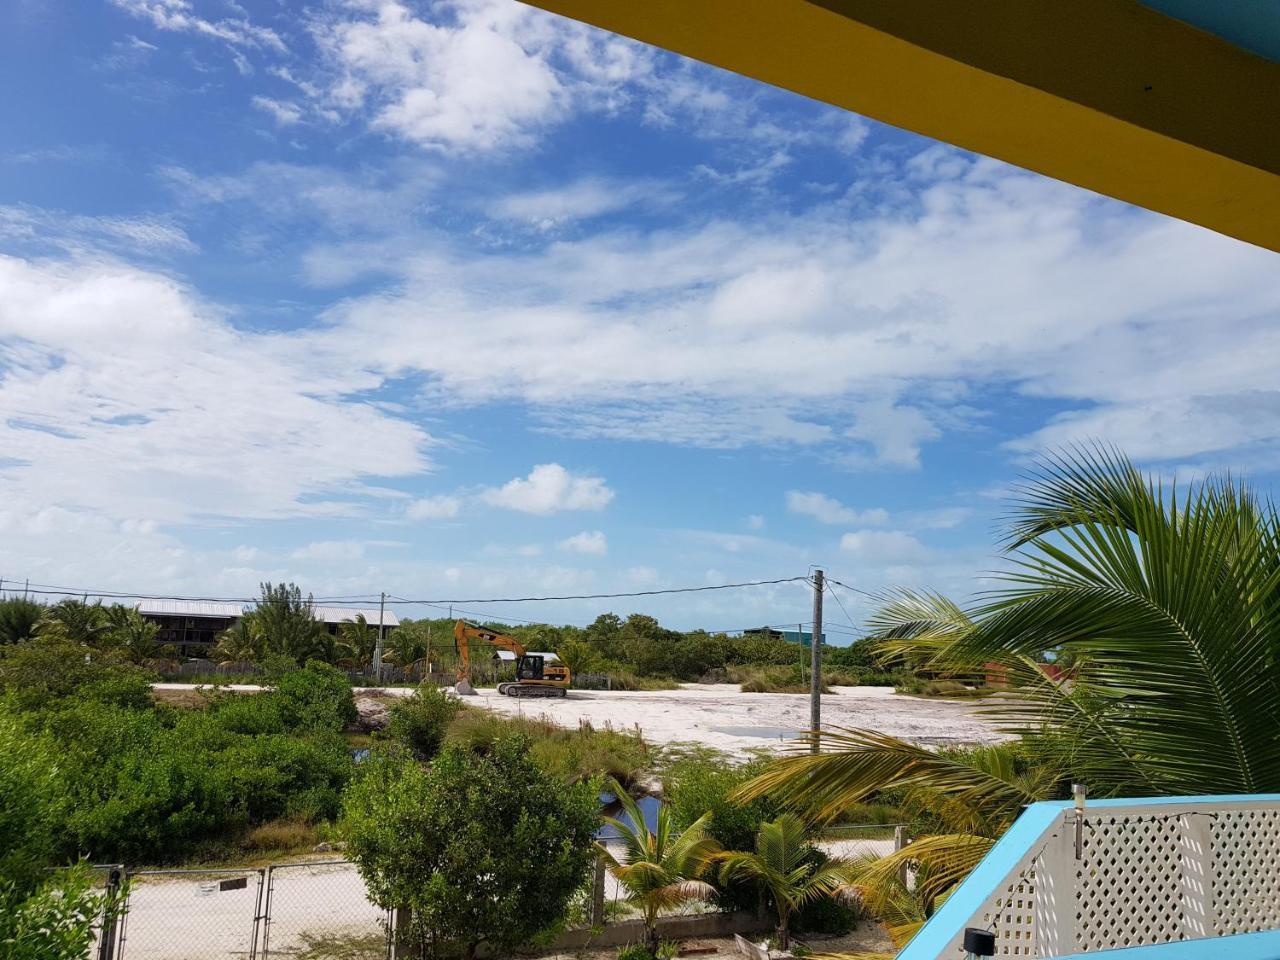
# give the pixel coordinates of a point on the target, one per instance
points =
(550, 488)
(439, 507)
(883, 546)
(826, 509)
(179, 16)
(195, 418)
(470, 74)
(868, 337)
(590, 542)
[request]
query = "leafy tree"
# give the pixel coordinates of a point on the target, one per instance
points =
(660, 869)
(420, 721)
(317, 696)
(38, 675)
(30, 798)
(481, 848)
(782, 865)
(580, 657)
(287, 623)
(19, 618)
(605, 634)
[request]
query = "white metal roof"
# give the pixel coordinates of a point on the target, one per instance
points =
(191, 608)
(208, 609)
(339, 614)
(508, 655)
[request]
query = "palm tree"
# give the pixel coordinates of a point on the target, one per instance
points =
(660, 869)
(19, 617)
(239, 643)
(357, 640)
(74, 621)
(783, 864)
(1165, 604)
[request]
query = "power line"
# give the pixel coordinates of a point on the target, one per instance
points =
(55, 590)
(607, 596)
(835, 596)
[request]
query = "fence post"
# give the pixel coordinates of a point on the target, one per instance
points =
(262, 915)
(900, 841)
(597, 894)
(107, 942)
(401, 949)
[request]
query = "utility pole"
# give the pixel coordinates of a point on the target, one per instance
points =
(382, 635)
(815, 662)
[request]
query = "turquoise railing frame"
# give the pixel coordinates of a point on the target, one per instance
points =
(968, 899)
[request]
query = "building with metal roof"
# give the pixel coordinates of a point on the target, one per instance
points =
(192, 626)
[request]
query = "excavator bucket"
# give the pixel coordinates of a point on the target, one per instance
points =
(463, 688)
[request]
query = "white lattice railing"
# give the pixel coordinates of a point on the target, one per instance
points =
(1147, 871)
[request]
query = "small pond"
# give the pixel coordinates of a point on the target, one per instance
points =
(766, 733)
(610, 807)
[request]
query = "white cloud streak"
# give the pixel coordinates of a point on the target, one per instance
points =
(550, 488)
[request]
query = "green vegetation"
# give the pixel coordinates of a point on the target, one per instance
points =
(140, 782)
(782, 865)
(54, 920)
(660, 869)
(420, 721)
(483, 847)
(1160, 602)
(568, 754)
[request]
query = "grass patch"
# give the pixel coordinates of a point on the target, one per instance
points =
(372, 946)
(284, 835)
(571, 754)
(780, 679)
(942, 689)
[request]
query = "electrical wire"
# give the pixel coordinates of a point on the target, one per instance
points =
(835, 596)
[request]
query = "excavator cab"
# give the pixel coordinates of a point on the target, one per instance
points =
(530, 667)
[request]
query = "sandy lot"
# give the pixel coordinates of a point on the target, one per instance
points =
(720, 716)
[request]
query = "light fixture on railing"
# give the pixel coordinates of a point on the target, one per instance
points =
(1079, 793)
(979, 943)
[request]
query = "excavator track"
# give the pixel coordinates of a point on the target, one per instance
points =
(525, 690)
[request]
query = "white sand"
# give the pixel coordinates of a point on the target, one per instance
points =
(715, 715)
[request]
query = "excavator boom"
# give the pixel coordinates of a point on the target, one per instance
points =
(535, 676)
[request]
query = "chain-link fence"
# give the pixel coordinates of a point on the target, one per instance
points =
(191, 914)
(322, 908)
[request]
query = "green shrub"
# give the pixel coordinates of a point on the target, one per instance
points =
(569, 754)
(420, 721)
(480, 847)
(775, 679)
(635, 951)
(317, 696)
(30, 800)
(38, 675)
(55, 921)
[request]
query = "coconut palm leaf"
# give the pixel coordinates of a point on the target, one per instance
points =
(852, 764)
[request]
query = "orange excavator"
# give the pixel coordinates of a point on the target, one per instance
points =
(535, 677)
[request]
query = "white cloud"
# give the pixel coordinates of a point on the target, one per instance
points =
(330, 550)
(285, 114)
(883, 546)
(179, 16)
(46, 230)
(755, 521)
(550, 488)
(439, 507)
(825, 509)
(580, 200)
(590, 542)
(469, 74)
(865, 336)
(124, 396)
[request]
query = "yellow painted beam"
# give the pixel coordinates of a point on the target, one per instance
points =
(1106, 94)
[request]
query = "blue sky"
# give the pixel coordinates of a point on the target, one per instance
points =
(460, 299)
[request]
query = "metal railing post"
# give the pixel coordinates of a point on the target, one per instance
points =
(110, 917)
(263, 921)
(900, 841)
